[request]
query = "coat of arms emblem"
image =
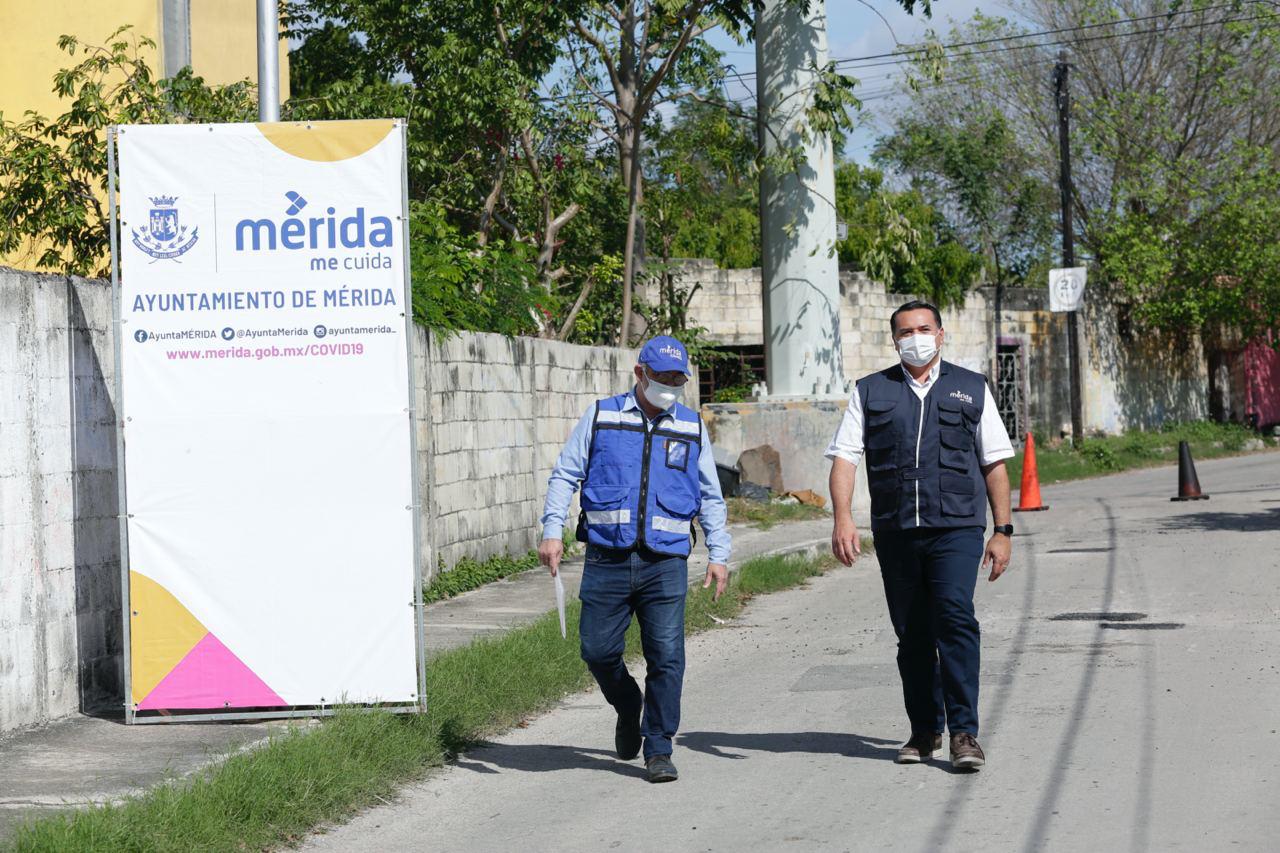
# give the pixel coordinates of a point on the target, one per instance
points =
(164, 237)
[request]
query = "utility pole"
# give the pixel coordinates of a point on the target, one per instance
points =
(268, 60)
(800, 272)
(1063, 98)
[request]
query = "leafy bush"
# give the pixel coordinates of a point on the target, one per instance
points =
(460, 284)
(469, 574)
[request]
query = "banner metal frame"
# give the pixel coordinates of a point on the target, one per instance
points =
(197, 715)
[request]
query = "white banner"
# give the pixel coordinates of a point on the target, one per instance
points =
(265, 385)
(1066, 289)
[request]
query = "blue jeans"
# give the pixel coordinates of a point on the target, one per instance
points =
(929, 576)
(616, 584)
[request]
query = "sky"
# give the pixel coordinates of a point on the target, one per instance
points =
(856, 28)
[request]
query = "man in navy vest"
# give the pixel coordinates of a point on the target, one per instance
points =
(645, 467)
(935, 447)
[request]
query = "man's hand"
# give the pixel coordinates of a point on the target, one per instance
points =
(720, 573)
(997, 554)
(845, 543)
(549, 553)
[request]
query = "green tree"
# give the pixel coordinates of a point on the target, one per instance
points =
(630, 57)
(53, 172)
(1216, 268)
(704, 200)
(1175, 117)
(899, 239)
(974, 169)
(504, 162)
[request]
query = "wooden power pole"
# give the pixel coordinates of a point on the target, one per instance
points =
(1063, 98)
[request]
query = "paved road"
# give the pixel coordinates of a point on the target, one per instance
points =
(1100, 736)
(83, 760)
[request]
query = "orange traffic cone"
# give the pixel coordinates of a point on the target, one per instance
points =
(1188, 482)
(1029, 492)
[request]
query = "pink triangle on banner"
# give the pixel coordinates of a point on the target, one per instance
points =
(210, 676)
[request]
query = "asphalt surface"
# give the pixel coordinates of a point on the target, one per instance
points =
(1152, 729)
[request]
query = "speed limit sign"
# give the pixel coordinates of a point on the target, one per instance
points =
(1066, 289)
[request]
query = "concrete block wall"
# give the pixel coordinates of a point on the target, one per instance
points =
(1128, 381)
(60, 638)
(493, 414)
(501, 410)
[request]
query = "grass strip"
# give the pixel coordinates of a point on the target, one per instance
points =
(766, 515)
(1135, 449)
(325, 772)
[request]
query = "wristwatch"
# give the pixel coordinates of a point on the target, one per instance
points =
(1006, 529)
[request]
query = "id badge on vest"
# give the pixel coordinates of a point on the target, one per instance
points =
(677, 454)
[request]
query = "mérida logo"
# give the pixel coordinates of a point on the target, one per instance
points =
(356, 231)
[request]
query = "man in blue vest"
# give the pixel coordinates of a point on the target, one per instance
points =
(935, 447)
(645, 467)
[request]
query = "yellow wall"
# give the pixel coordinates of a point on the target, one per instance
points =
(224, 45)
(223, 50)
(29, 54)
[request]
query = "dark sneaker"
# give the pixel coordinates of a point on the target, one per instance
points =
(661, 769)
(626, 736)
(965, 752)
(921, 746)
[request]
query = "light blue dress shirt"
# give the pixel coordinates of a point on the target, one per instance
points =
(571, 469)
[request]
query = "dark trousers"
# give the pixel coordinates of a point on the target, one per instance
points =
(929, 576)
(616, 584)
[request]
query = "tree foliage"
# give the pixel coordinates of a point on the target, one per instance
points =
(900, 240)
(972, 167)
(1175, 118)
(53, 171)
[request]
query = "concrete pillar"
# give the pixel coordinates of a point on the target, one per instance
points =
(797, 207)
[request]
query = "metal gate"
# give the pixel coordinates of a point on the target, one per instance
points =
(1008, 390)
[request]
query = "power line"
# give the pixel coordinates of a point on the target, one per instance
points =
(1079, 28)
(906, 56)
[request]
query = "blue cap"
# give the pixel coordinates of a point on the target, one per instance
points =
(665, 353)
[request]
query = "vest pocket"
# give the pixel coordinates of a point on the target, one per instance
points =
(676, 451)
(606, 504)
(882, 474)
(957, 491)
(956, 448)
(949, 413)
(878, 412)
(878, 448)
(678, 505)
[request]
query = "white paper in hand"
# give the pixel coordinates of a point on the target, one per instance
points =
(560, 603)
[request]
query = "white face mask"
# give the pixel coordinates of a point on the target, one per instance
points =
(918, 350)
(662, 396)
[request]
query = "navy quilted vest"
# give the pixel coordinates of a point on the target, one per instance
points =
(920, 456)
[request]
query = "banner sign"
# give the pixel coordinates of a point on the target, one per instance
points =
(264, 385)
(1066, 289)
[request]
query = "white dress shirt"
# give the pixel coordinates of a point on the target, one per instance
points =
(992, 440)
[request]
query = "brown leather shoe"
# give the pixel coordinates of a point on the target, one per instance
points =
(921, 746)
(965, 752)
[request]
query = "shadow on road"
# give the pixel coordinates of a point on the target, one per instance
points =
(544, 758)
(1232, 522)
(829, 743)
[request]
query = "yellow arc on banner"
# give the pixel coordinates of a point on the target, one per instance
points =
(163, 632)
(326, 142)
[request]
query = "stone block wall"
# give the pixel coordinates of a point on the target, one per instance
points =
(493, 414)
(1128, 381)
(501, 409)
(60, 619)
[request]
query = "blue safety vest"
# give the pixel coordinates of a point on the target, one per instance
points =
(642, 483)
(920, 455)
